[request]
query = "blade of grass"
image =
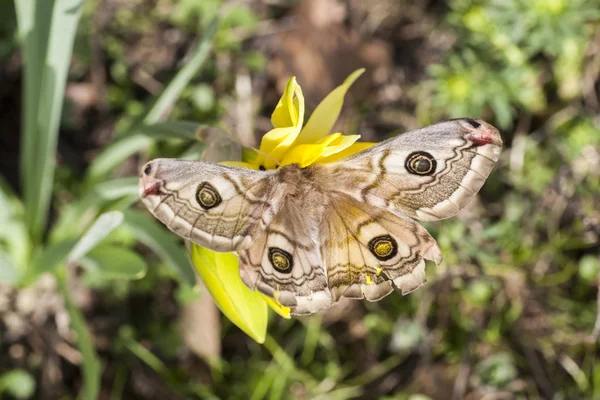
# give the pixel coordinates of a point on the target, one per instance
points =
(34, 24)
(91, 364)
(186, 130)
(115, 154)
(75, 217)
(118, 387)
(124, 147)
(117, 188)
(8, 272)
(313, 331)
(107, 262)
(69, 250)
(149, 232)
(14, 239)
(48, 30)
(46, 260)
(172, 92)
(101, 228)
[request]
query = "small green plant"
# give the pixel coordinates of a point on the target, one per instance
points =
(94, 231)
(495, 69)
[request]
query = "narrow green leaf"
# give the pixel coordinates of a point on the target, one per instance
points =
(117, 188)
(75, 217)
(48, 37)
(8, 271)
(115, 154)
(34, 24)
(101, 228)
(126, 336)
(244, 307)
(25, 10)
(9, 203)
(47, 259)
(108, 262)
(91, 364)
(172, 92)
(124, 147)
(153, 235)
(139, 138)
(186, 130)
(14, 240)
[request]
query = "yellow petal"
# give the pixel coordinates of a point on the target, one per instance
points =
(278, 308)
(330, 138)
(353, 149)
(279, 143)
(245, 308)
(304, 154)
(340, 143)
(286, 112)
(327, 112)
(287, 119)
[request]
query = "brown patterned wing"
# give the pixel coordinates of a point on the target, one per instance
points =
(366, 249)
(428, 174)
(215, 206)
(285, 261)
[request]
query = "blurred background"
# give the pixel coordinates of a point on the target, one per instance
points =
(100, 304)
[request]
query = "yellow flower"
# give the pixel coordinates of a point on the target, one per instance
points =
(289, 142)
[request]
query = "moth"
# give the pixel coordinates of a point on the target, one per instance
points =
(309, 236)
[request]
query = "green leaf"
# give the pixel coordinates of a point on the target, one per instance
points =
(101, 228)
(91, 364)
(47, 259)
(117, 188)
(17, 383)
(186, 130)
(14, 240)
(589, 267)
(149, 232)
(108, 262)
(124, 147)
(8, 272)
(245, 308)
(172, 92)
(497, 370)
(75, 217)
(47, 29)
(73, 250)
(115, 154)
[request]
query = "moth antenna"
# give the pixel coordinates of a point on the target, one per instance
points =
(265, 155)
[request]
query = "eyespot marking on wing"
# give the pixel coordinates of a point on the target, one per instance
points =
(281, 260)
(207, 196)
(420, 163)
(383, 247)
